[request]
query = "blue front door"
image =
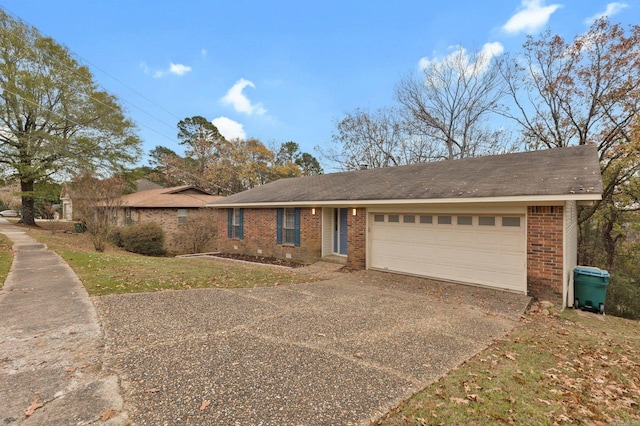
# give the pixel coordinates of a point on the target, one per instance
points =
(340, 231)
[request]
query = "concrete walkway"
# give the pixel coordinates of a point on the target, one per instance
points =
(51, 346)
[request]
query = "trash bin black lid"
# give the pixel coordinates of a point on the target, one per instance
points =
(590, 270)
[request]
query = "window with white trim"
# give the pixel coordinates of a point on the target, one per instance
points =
(444, 220)
(426, 219)
(236, 223)
(182, 216)
(511, 221)
(487, 221)
(288, 226)
(464, 220)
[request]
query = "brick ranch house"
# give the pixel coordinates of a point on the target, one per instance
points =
(67, 196)
(505, 221)
(171, 208)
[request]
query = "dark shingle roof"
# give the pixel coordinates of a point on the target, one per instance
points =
(559, 171)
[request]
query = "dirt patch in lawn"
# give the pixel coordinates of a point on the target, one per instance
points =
(260, 259)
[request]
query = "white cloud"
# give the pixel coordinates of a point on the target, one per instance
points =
(612, 9)
(460, 59)
(488, 52)
(176, 69)
(179, 69)
(239, 101)
(533, 15)
(203, 52)
(229, 128)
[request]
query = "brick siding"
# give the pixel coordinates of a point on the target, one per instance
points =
(357, 239)
(260, 239)
(545, 253)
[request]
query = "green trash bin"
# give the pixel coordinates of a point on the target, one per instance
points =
(590, 288)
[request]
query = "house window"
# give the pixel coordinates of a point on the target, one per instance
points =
(409, 218)
(378, 218)
(464, 220)
(127, 217)
(235, 223)
(487, 221)
(288, 226)
(394, 218)
(182, 216)
(426, 219)
(511, 221)
(444, 220)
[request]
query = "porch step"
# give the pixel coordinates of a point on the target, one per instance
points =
(342, 260)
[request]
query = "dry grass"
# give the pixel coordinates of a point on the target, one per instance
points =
(568, 368)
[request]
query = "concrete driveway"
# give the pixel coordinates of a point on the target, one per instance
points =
(341, 351)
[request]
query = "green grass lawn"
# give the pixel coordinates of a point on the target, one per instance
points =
(118, 271)
(570, 368)
(6, 258)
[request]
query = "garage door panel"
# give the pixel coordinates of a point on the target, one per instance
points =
(510, 240)
(488, 255)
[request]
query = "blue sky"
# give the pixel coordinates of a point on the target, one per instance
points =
(283, 70)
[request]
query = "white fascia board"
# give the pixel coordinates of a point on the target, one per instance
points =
(524, 199)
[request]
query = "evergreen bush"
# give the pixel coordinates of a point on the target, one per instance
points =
(144, 238)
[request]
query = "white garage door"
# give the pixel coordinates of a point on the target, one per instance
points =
(486, 250)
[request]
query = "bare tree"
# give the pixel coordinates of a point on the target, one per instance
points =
(199, 231)
(378, 139)
(585, 91)
(448, 102)
(96, 203)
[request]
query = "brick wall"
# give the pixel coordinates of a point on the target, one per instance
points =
(357, 239)
(260, 239)
(545, 253)
(175, 239)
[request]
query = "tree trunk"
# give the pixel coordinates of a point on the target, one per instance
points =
(28, 202)
(609, 240)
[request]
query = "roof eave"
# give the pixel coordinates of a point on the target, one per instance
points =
(413, 201)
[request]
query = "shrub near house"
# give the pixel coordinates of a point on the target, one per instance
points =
(144, 238)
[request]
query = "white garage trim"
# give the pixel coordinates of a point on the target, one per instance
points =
(481, 249)
(570, 250)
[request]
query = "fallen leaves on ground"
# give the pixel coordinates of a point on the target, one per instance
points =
(107, 414)
(35, 404)
(204, 405)
(568, 367)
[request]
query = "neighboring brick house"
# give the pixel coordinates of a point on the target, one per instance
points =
(505, 221)
(66, 196)
(172, 209)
